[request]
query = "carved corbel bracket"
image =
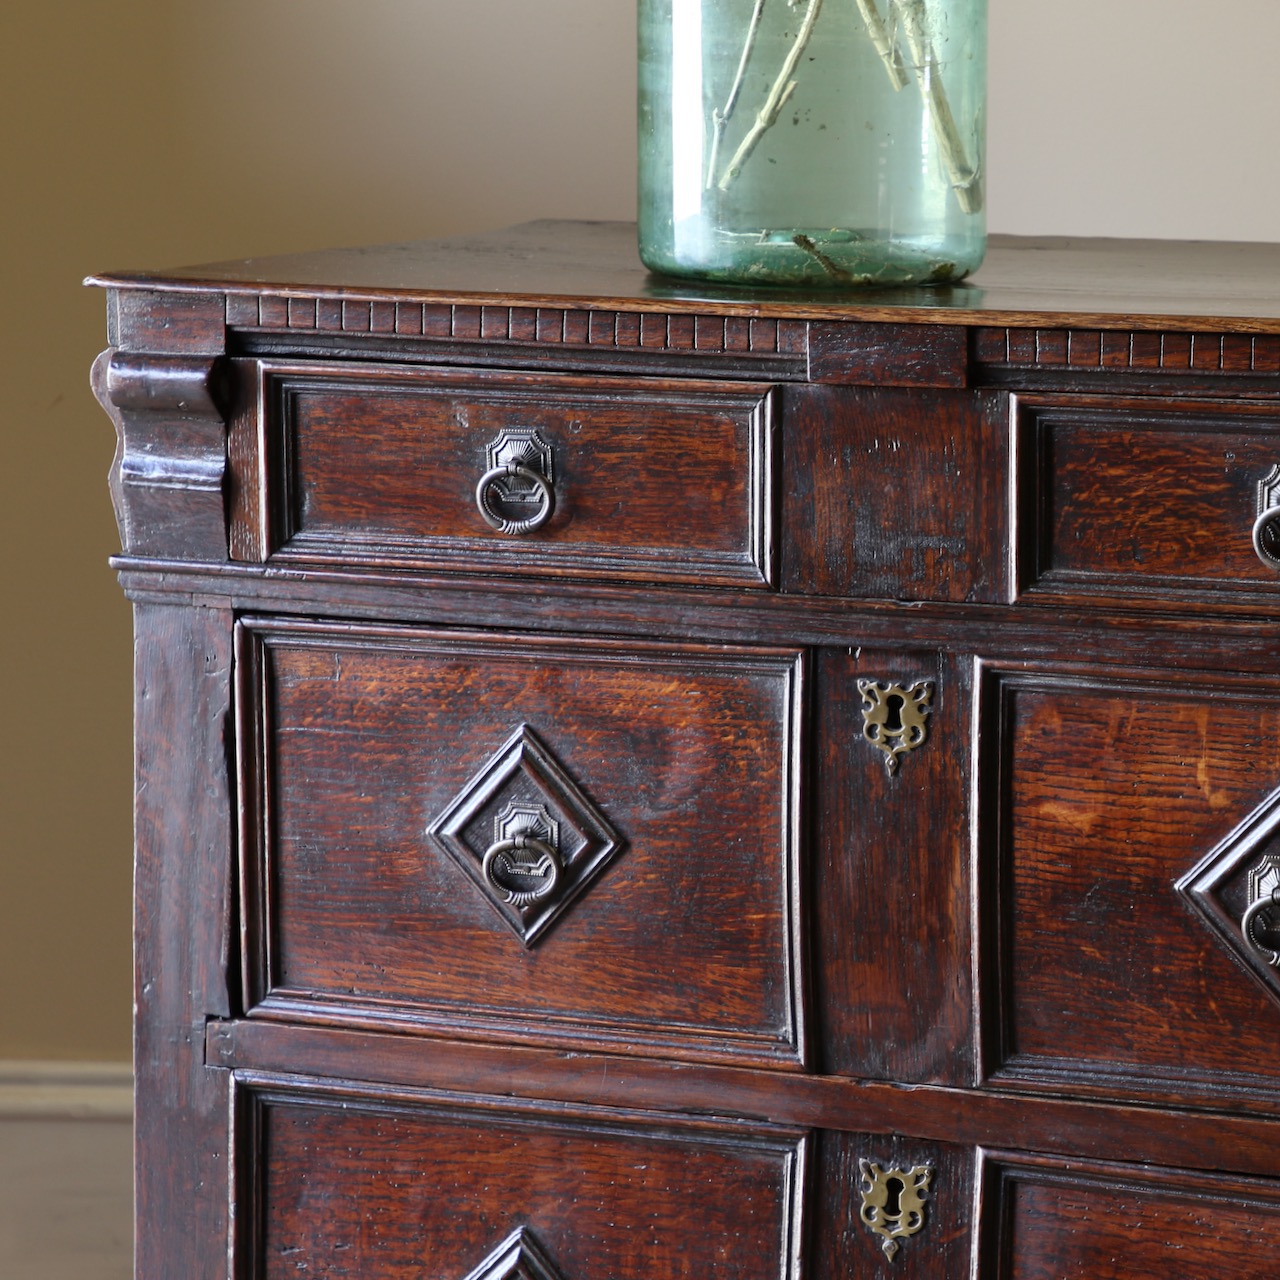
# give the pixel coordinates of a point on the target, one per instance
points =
(170, 468)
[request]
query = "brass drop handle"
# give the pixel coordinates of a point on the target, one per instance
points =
(1266, 528)
(1266, 537)
(1266, 902)
(493, 487)
(523, 869)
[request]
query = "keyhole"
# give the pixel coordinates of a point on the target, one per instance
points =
(894, 1188)
(893, 705)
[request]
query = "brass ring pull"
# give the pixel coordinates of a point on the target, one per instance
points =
(491, 485)
(1266, 528)
(1250, 920)
(523, 869)
(1266, 537)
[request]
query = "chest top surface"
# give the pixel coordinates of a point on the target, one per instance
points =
(1105, 283)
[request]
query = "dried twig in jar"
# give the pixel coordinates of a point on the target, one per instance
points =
(720, 117)
(966, 181)
(783, 87)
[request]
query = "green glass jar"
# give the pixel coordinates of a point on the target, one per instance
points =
(812, 142)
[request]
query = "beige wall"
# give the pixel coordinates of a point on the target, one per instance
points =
(153, 132)
(1135, 118)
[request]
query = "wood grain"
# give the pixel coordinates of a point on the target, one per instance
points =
(182, 931)
(386, 1194)
(1118, 1223)
(674, 482)
(895, 494)
(1143, 496)
(892, 892)
(1109, 284)
(689, 940)
(1111, 791)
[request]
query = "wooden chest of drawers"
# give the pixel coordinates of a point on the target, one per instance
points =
(639, 783)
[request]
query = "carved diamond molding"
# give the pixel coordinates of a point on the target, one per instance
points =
(526, 835)
(518, 1257)
(1235, 890)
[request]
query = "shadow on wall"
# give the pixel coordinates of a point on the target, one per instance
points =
(152, 133)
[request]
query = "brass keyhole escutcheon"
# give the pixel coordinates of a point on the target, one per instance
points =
(894, 715)
(893, 1202)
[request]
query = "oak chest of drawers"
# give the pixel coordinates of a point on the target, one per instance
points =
(634, 782)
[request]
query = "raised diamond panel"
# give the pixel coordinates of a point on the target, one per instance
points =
(1242, 873)
(526, 835)
(518, 1257)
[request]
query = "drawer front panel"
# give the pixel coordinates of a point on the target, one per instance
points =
(383, 767)
(645, 479)
(1045, 1222)
(395, 1193)
(1101, 793)
(1143, 499)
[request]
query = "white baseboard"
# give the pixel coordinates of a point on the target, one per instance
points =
(66, 1090)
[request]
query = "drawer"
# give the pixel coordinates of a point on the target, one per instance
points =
(568, 840)
(1132, 498)
(1045, 1220)
(346, 1187)
(1126, 823)
(640, 479)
